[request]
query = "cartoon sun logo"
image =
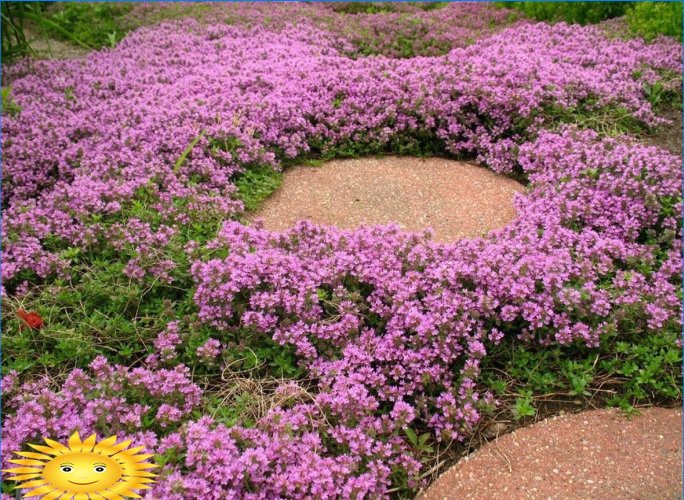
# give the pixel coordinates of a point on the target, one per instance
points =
(83, 469)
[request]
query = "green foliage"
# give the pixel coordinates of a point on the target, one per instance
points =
(606, 120)
(629, 367)
(418, 142)
(650, 19)
(363, 7)
(256, 184)
(523, 405)
(8, 105)
(570, 12)
(100, 312)
(381, 7)
(645, 19)
(427, 6)
(420, 443)
(402, 46)
(100, 24)
(15, 16)
(665, 93)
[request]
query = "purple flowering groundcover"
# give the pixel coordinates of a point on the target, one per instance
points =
(122, 227)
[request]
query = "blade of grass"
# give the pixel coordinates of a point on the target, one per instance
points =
(186, 152)
(43, 28)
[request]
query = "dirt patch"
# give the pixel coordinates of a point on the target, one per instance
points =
(458, 200)
(594, 454)
(47, 47)
(667, 136)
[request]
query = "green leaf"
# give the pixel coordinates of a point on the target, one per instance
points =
(412, 437)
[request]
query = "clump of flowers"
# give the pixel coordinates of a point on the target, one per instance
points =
(209, 351)
(167, 341)
(103, 400)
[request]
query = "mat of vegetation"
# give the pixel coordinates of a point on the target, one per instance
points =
(321, 362)
(404, 29)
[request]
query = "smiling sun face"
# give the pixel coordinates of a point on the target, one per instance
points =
(82, 472)
(86, 469)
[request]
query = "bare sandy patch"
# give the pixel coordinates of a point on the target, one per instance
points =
(458, 200)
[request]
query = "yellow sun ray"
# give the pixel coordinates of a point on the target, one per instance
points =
(83, 470)
(105, 444)
(34, 483)
(118, 447)
(45, 449)
(75, 443)
(30, 454)
(22, 470)
(143, 465)
(42, 490)
(132, 451)
(53, 495)
(140, 458)
(110, 495)
(145, 480)
(57, 446)
(24, 477)
(31, 495)
(89, 443)
(144, 473)
(26, 461)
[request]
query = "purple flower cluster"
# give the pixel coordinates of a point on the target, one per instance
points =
(400, 30)
(392, 326)
(95, 134)
(108, 400)
(208, 351)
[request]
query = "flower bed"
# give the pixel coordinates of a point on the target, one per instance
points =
(124, 153)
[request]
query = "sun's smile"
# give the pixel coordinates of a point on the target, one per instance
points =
(84, 467)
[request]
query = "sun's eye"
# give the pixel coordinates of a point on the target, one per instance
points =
(100, 468)
(66, 468)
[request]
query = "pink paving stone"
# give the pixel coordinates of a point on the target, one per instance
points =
(456, 199)
(599, 454)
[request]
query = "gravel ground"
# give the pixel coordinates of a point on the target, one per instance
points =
(458, 200)
(598, 454)
(51, 48)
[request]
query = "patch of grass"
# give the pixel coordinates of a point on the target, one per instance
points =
(100, 24)
(606, 120)
(103, 312)
(428, 6)
(631, 367)
(569, 12)
(665, 93)
(256, 184)
(363, 7)
(419, 143)
(8, 105)
(650, 19)
(645, 19)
